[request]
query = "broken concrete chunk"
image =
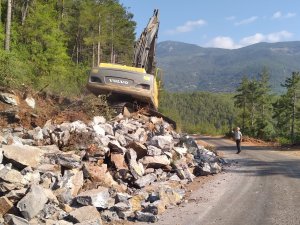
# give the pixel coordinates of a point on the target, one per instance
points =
(36, 134)
(183, 170)
(12, 176)
(155, 161)
(122, 197)
(136, 168)
(215, 168)
(78, 126)
(84, 214)
(9, 98)
(95, 172)
(97, 197)
(180, 150)
(11, 219)
(122, 206)
(152, 150)
(151, 208)
(169, 196)
(30, 102)
(56, 222)
(33, 202)
(99, 130)
(109, 216)
(203, 170)
(145, 180)
(23, 155)
(99, 120)
(137, 200)
(15, 195)
(118, 161)
(69, 161)
(5, 205)
(107, 128)
(140, 149)
(116, 148)
(146, 217)
(162, 142)
(72, 181)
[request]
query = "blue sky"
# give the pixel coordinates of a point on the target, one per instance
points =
(227, 24)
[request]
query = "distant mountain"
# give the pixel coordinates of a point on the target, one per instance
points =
(189, 67)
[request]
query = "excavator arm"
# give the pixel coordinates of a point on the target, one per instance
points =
(144, 49)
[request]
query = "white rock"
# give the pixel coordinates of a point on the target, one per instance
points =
(78, 126)
(96, 197)
(9, 98)
(99, 120)
(99, 130)
(30, 102)
(33, 202)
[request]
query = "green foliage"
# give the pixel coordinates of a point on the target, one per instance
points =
(199, 112)
(12, 70)
(254, 99)
(286, 108)
(54, 43)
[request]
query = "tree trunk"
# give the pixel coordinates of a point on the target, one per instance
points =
(244, 115)
(293, 118)
(99, 43)
(77, 47)
(8, 25)
(93, 58)
(0, 11)
(24, 11)
(112, 53)
(112, 42)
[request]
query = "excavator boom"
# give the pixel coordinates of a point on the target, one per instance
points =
(144, 51)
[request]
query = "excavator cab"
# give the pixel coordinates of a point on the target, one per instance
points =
(132, 84)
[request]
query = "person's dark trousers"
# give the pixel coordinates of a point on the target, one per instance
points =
(238, 145)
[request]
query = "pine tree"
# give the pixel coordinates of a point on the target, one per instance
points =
(264, 123)
(241, 99)
(292, 85)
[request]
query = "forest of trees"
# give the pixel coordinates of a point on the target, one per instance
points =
(54, 43)
(253, 107)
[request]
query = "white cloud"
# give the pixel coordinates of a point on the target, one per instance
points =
(222, 42)
(187, 27)
(280, 15)
(230, 18)
(290, 15)
(277, 15)
(228, 43)
(256, 38)
(246, 21)
(279, 36)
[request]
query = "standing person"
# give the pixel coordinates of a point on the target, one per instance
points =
(238, 138)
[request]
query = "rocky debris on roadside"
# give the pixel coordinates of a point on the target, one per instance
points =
(130, 168)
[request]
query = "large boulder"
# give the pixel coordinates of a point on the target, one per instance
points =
(156, 161)
(99, 198)
(23, 155)
(33, 202)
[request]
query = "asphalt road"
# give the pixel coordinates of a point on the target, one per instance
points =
(260, 187)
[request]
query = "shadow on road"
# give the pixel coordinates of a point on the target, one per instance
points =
(255, 160)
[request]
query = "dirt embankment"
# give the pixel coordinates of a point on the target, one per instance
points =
(32, 109)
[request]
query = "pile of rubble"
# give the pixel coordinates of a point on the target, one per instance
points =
(130, 168)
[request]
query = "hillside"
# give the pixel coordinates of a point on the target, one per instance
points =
(189, 67)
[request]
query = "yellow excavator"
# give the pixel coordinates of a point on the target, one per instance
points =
(136, 85)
